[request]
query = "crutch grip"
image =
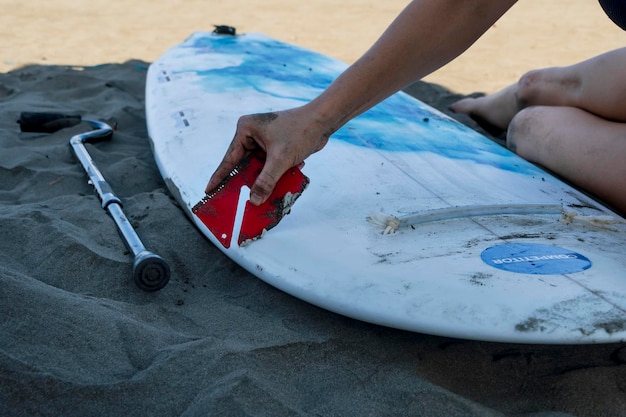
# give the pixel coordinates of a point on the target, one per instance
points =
(46, 122)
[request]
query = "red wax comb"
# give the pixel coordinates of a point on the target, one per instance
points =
(218, 209)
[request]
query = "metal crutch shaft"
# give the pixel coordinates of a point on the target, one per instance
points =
(150, 271)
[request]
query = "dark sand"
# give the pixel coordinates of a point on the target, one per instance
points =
(78, 338)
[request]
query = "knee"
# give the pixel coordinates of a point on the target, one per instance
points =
(555, 86)
(529, 87)
(522, 131)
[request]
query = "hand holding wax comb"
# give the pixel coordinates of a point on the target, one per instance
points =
(218, 210)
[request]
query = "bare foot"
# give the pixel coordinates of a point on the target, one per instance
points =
(496, 109)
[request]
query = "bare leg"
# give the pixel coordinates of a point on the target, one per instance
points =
(597, 85)
(571, 120)
(587, 150)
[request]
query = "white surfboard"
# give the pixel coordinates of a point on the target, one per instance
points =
(489, 246)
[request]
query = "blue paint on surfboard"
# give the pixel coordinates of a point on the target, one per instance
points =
(309, 73)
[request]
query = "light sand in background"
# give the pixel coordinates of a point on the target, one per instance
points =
(535, 33)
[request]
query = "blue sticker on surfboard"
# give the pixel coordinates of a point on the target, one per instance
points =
(531, 258)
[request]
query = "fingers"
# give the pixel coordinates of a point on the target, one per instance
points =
(234, 154)
(265, 183)
(242, 143)
(273, 170)
(274, 135)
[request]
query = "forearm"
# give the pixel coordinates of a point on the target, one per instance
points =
(425, 36)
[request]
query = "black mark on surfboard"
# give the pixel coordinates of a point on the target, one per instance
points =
(612, 326)
(532, 324)
(480, 279)
(549, 319)
(185, 121)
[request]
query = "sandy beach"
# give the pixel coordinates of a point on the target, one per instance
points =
(533, 34)
(77, 338)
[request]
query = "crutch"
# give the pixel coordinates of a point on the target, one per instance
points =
(150, 271)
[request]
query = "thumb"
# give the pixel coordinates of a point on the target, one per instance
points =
(265, 183)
